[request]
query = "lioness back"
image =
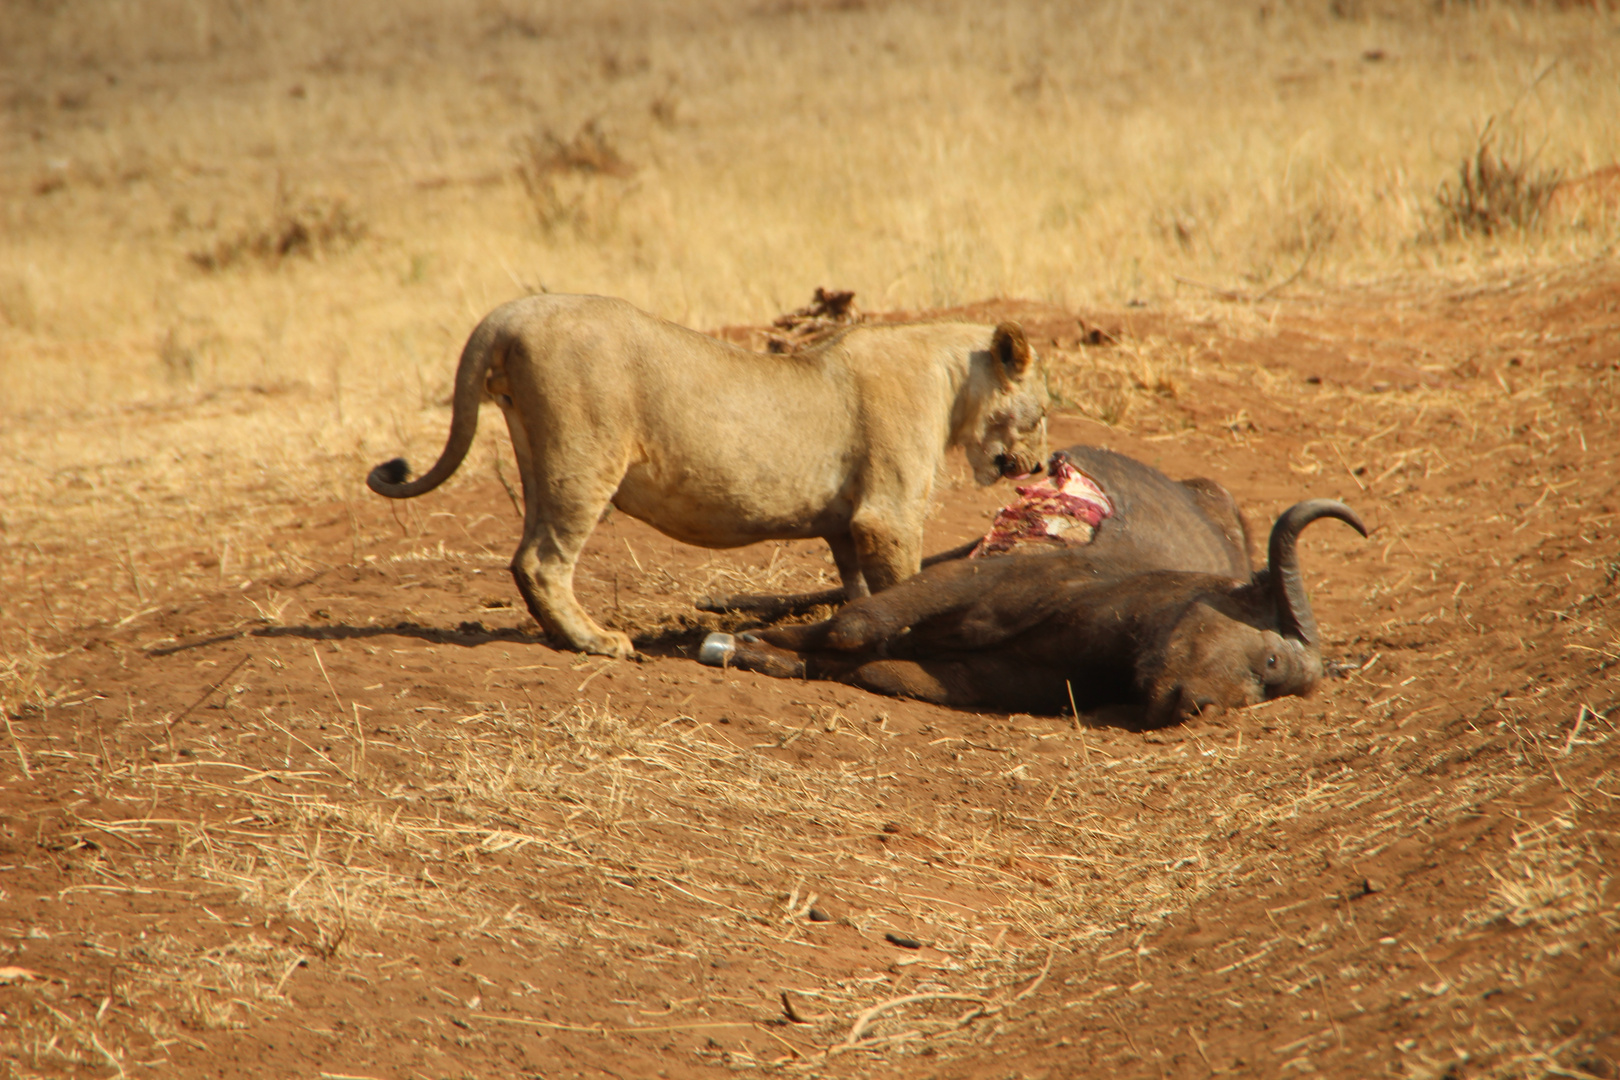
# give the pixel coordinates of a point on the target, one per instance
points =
(720, 444)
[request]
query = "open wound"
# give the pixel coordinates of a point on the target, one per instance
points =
(1061, 511)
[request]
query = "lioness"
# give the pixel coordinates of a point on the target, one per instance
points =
(718, 446)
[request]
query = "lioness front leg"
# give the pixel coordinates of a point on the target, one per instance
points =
(888, 551)
(848, 561)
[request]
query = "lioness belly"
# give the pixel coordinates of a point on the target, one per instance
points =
(717, 512)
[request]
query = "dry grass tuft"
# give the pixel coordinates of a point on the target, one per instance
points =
(1113, 382)
(1499, 188)
(589, 152)
(1544, 881)
(577, 183)
(296, 228)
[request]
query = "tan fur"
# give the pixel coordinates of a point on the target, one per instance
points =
(718, 446)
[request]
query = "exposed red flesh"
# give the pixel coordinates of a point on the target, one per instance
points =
(1062, 511)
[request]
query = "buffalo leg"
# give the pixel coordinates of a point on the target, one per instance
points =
(772, 607)
(908, 678)
(961, 680)
(749, 653)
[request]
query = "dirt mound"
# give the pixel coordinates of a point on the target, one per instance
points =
(330, 807)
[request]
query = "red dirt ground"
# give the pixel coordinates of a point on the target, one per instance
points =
(1412, 873)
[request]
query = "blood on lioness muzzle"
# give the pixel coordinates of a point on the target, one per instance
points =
(1017, 466)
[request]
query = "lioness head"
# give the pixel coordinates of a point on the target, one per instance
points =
(1009, 406)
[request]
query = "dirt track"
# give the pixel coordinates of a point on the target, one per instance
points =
(354, 819)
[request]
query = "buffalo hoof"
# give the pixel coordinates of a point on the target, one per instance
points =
(717, 650)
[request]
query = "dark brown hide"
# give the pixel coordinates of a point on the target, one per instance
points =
(1157, 524)
(1164, 524)
(1024, 633)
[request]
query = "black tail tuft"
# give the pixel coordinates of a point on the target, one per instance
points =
(389, 472)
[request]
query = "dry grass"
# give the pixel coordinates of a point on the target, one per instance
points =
(577, 185)
(593, 798)
(295, 229)
(716, 164)
(1497, 189)
(1124, 381)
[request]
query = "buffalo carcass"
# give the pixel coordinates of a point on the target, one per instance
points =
(1155, 523)
(1044, 633)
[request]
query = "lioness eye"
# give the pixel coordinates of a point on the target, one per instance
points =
(1271, 661)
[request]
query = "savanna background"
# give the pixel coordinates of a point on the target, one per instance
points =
(289, 786)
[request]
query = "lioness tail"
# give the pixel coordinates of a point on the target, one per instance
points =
(389, 477)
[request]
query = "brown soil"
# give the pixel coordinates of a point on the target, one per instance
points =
(356, 820)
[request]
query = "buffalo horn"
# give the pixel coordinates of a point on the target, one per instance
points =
(1293, 606)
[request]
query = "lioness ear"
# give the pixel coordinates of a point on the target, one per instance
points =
(1011, 350)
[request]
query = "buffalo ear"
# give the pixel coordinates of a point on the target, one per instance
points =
(1011, 351)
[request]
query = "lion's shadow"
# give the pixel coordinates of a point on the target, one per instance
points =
(675, 643)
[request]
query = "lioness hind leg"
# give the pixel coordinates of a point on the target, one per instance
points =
(554, 534)
(545, 576)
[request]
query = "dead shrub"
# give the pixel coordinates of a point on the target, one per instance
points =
(570, 182)
(296, 228)
(17, 307)
(829, 312)
(1499, 188)
(178, 355)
